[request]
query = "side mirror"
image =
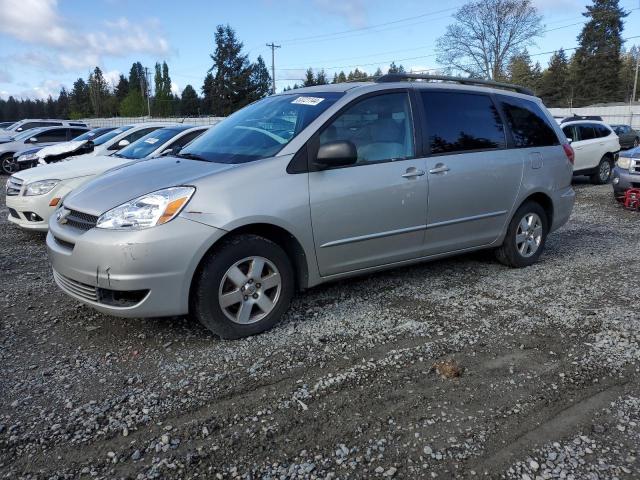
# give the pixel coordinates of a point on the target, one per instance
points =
(569, 139)
(336, 154)
(19, 129)
(32, 140)
(123, 143)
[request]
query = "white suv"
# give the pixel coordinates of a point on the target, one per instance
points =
(596, 148)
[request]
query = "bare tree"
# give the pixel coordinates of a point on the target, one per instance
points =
(486, 34)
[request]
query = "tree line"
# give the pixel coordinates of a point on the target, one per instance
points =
(598, 71)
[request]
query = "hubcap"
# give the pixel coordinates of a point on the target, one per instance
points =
(249, 290)
(529, 235)
(605, 171)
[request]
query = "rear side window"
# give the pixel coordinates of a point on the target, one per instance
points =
(601, 130)
(586, 132)
(75, 132)
(461, 122)
(529, 126)
(132, 137)
(182, 141)
(570, 132)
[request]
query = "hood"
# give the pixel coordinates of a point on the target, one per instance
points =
(144, 176)
(631, 153)
(13, 146)
(60, 148)
(81, 166)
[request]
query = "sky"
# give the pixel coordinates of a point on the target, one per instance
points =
(47, 44)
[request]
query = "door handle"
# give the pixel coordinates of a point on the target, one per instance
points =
(412, 172)
(439, 168)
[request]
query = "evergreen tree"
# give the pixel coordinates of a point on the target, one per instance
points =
(321, 78)
(260, 80)
(597, 60)
(521, 71)
(335, 78)
(356, 75)
(122, 88)
(80, 103)
(50, 108)
(555, 80)
(628, 73)
(98, 92)
(341, 77)
(63, 104)
(309, 78)
(134, 103)
(190, 103)
(231, 71)
(393, 68)
(163, 97)
(378, 72)
(208, 92)
(12, 110)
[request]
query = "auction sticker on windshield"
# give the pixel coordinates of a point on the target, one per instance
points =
(312, 101)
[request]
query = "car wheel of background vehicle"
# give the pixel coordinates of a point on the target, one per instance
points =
(8, 165)
(602, 174)
(636, 142)
(243, 287)
(526, 236)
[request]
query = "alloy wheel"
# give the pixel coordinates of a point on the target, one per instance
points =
(605, 171)
(249, 290)
(8, 165)
(529, 235)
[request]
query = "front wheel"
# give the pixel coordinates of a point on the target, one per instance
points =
(525, 237)
(243, 287)
(602, 174)
(9, 165)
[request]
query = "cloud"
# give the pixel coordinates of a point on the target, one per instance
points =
(353, 11)
(38, 23)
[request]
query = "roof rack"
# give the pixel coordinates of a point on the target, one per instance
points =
(397, 77)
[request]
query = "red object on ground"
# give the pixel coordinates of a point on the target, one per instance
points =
(632, 199)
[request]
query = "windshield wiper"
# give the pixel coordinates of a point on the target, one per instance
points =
(192, 156)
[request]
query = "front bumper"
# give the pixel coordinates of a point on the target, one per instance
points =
(150, 271)
(22, 209)
(623, 180)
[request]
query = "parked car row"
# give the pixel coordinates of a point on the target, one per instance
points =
(44, 187)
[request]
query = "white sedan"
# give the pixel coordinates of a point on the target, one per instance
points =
(33, 194)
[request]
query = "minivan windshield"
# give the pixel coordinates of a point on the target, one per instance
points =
(149, 143)
(108, 136)
(261, 129)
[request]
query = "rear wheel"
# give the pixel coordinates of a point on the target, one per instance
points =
(526, 236)
(244, 287)
(636, 142)
(8, 165)
(602, 174)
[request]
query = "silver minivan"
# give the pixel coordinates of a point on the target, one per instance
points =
(314, 185)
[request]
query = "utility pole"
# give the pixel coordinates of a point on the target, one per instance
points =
(273, 47)
(635, 78)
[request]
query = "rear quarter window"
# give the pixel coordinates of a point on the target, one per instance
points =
(529, 126)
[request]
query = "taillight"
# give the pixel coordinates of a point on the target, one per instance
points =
(568, 151)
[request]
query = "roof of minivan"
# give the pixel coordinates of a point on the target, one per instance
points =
(347, 86)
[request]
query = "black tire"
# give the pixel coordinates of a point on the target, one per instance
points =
(5, 162)
(205, 304)
(508, 253)
(598, 177)
(636, 142)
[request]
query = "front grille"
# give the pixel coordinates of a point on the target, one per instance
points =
(73, 287)
(635, 166)
(14, 185)
(80, 220)
(13, 213)
(64, 243)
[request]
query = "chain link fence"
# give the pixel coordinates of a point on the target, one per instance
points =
(613, 115)
(120, 121)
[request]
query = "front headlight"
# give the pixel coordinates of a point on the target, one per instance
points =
(41, 187)
(624, 163)
(147, 211)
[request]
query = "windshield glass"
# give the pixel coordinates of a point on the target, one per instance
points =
(261, 129)
(93, 134)
(108, 136)
(149, 143)
(28, 133)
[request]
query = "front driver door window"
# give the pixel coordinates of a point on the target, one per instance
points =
(373, 212)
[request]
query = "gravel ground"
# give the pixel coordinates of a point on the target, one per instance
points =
(537, 373)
